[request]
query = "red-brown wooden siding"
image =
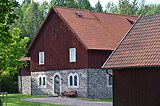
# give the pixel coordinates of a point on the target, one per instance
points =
(137, 87)
(56, 48)
(25, 71)
(96, 58)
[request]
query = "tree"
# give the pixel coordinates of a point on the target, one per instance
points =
(148, 9)
(124, 7)
(134, 7)
(12, 47)
(98, 7)
(44, 8)
(84, 5)
(31, 15)
(32, 19)
(111, 8)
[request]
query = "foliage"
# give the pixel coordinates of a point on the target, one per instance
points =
(16, 100)
(98, 7)
(80, 4)
(111, 8)
(31, 15)
(132, 8)
(9, 83)
(84, 5)
(12, 47)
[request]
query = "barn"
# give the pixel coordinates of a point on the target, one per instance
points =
(135, 64)
(69, 50)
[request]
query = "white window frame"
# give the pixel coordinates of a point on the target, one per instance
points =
(108, 85)
(72, 55)
(42, 81)
(41, 58)
(73, 86)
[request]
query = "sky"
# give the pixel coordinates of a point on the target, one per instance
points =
(104, 2)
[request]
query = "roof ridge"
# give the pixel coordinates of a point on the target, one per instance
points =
(121, 41)
(92, 11)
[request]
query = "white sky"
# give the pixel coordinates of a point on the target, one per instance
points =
(104, 2)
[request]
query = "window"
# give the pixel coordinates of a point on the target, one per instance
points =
(73, 80)
(72, 55)
(54, 32)
(41, 58)
(42, 81)
(110, 80)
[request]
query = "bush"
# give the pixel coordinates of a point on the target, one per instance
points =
(9, 83)
(1, 102)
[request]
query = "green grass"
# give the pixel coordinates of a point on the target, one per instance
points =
(15, 100)
(97, 100)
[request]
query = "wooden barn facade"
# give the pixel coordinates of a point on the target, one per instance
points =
(69, 49)
(135, 64)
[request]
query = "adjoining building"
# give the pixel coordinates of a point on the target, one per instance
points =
(135, 64)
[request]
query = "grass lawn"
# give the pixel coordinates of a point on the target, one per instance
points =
(14, 100)
(97, 100)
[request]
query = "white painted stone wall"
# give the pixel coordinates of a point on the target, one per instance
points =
(24, 83)
(93, 83)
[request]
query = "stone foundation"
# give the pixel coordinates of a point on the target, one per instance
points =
(98, 84)
(93, 83)
(24, 83)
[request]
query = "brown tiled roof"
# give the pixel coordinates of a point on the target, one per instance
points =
(140, 47)
(95, 30)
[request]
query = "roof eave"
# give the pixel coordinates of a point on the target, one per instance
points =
(133, 67)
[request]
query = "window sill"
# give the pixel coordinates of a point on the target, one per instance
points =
(42, 87)
(73, 86)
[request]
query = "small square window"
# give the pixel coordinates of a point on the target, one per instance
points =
(54, 32)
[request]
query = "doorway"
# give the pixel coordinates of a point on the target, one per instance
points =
(57, 84)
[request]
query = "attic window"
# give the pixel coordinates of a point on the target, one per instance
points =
(78, 14)
(54, 32)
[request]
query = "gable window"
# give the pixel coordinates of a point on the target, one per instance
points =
(54, 32)
(72, 55)
(73, 80)
(41, 58)
(42, 81)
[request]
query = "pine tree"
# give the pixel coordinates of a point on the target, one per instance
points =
(98, 7)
